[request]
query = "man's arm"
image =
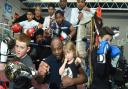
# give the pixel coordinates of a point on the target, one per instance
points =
(82, 77)
(67, 81)
(72, 31)
(43, 69)
(45, 24)
(89, 10)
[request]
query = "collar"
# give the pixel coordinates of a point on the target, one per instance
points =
(53, 16)
(59, 25)
(24, 56)
(37, 17)
(64, 9)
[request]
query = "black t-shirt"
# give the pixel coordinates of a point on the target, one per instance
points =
(54, 79)
(64, 26)
(71, 70)
(41, 20)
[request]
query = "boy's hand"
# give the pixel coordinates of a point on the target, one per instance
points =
(40, 25)
(78, 60)
(47, 33)
(86, 9)
(66, 82)
(65, 60)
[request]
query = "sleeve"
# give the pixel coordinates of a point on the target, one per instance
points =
(87, 15)
(92, 11)
(35, 23)
(22, 23)
(45, 24)
(69, 24)
(74, 15)
(78, 66)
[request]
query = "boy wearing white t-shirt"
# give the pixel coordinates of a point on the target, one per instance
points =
(29, 23)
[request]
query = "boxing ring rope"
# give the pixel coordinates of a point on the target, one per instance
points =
(4, 32)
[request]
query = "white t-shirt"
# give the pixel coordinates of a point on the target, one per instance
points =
(28, 24)
(86, 15)
(46, 23)
(67, 13)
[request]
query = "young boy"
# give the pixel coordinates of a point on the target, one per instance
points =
(51, 17)
(29, 23)
(42, 50)
(101, 60)
(67, 10)
(49, 20)
(38, 15)
(62, 28)
(71, 63)
(21, 48)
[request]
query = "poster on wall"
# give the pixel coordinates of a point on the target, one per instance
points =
(127, 37)
(7, 12)
(4, 23)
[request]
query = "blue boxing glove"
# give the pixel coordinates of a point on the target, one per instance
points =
(114, 51)
(102, 50)
(114, 54)
(103, 47)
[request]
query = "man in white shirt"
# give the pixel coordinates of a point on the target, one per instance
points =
(80, 12)
(29, 23)
(67, 11)
(51, 18)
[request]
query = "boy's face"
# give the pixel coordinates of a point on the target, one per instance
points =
(51, 11)
(63, 3)
(38, 12)
(39, 39)
(80, 4)
(69, 55)
(107, 38)
(59, 18)
(21, 49)
(30, 16)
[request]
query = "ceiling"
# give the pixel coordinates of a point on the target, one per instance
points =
(119, 6)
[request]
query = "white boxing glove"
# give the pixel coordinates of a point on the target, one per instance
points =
(4, 51)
